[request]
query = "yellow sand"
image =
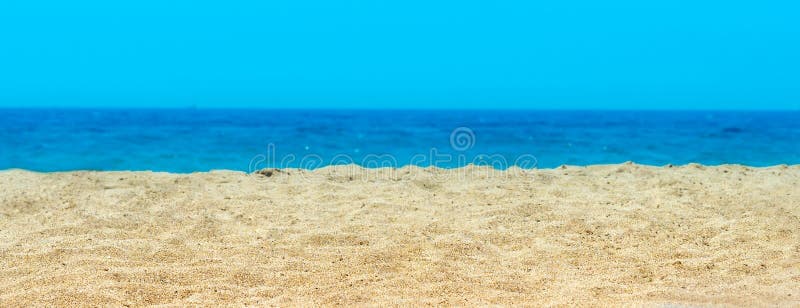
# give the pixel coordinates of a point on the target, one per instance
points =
(611, 234)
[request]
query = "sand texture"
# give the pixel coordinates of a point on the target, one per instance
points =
(613, 234)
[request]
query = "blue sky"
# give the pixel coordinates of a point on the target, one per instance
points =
(401, 54)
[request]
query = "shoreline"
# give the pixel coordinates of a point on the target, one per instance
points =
(606, 234)
(434, 168)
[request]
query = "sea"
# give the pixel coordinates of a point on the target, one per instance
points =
(194, 139)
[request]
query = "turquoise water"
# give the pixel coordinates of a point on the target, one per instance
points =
(186, 140)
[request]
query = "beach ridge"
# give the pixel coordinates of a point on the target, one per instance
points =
(343, 235)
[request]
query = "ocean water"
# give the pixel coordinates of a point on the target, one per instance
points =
(187, 140)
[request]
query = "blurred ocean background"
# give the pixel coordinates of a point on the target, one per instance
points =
(187, 140)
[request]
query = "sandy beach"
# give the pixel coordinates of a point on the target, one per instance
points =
(610, 234)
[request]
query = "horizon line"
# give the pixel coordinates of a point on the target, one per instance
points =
(390, 109)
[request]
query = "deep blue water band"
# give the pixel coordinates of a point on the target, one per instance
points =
(186, 140)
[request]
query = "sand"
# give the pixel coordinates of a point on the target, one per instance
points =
(613, 234)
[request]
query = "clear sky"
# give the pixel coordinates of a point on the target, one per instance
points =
(401, 54)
